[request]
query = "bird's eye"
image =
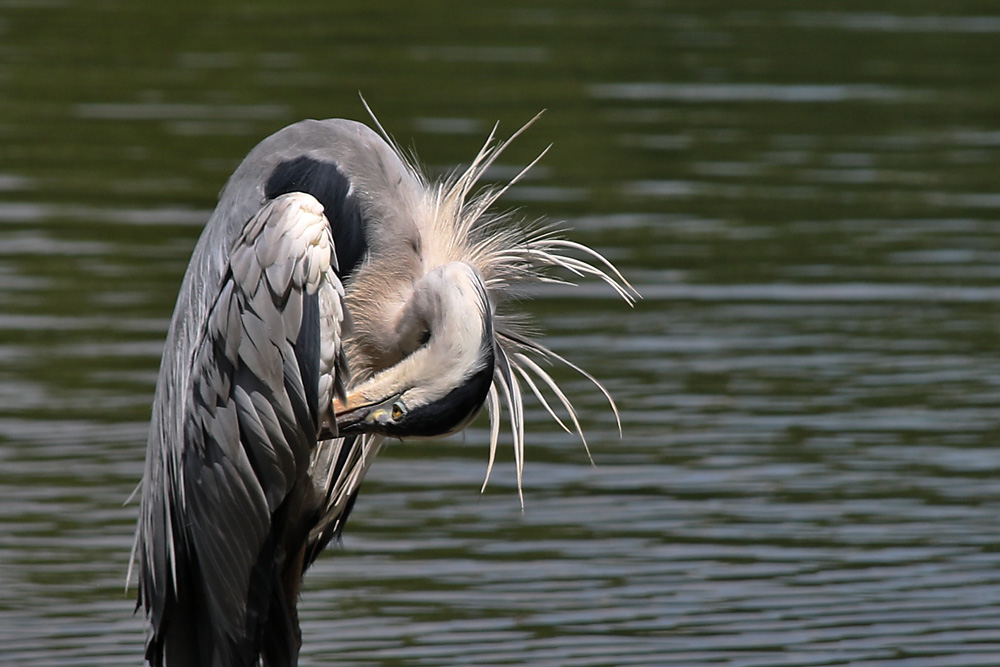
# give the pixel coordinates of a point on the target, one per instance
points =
(398, 410)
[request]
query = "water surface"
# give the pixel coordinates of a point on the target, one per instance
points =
(806, 199)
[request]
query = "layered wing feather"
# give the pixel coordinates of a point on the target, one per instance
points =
(259, 390)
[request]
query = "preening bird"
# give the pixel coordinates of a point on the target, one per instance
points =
(336, 297)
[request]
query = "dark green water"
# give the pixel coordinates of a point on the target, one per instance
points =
(806, 195)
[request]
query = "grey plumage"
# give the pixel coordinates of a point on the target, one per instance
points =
(335, 298)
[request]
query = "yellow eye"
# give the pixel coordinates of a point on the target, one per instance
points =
(397, 411)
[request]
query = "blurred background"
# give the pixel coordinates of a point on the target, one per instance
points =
(805, 194)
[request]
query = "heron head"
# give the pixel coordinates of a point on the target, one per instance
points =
(439, 386)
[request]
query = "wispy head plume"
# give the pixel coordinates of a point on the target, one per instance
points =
(511, 256)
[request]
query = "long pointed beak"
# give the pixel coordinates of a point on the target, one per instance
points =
(357, 415)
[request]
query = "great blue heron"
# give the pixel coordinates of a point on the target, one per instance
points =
(336, 297)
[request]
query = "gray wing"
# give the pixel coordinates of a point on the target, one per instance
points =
(258, 391)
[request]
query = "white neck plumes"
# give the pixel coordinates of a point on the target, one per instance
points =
(509, 256)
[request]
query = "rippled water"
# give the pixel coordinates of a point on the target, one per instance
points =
(807, 201)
